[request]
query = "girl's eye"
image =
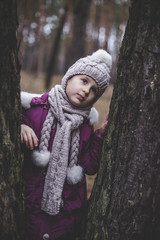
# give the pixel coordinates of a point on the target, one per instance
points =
(84, 81)
(94, 90)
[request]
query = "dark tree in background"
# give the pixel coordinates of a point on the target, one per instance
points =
(11, 208)
(125, 202)
(56, 45)
(77, 45)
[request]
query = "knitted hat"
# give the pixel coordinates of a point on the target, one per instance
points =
(97, 66)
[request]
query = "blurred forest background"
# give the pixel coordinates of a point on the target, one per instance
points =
(57, 32)
(53, 34)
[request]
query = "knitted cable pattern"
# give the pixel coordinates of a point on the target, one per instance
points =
(45, 133)
(65, 148)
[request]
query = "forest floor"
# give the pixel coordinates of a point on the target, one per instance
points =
(36, 84)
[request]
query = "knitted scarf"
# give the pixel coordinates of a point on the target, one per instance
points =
(65, 148)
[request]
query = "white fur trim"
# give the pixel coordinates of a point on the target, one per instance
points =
(45, 236)
(74, 174)
(26, 99)
(93, 116)
(104, 57)
(40, 158)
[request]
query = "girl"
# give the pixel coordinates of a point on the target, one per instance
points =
(62, 148)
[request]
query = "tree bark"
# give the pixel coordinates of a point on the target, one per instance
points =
(11, 205)
(125, 202)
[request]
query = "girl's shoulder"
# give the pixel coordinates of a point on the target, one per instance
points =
(31, 99)
(40, 100)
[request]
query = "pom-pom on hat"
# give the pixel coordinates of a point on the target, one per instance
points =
(96, 66)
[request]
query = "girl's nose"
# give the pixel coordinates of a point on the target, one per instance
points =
(86, 90)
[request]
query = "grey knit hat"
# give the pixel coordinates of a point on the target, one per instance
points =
(97, 66)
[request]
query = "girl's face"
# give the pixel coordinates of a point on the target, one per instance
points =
(81, 90)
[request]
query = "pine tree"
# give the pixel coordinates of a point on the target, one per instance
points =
(125, 202)
(11, 204)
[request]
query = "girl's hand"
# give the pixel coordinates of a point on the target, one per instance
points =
(103, 127)
(28, 137)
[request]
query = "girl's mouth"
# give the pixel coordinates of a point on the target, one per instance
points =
(80, 97)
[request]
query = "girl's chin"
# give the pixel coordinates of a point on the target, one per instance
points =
(76, 102)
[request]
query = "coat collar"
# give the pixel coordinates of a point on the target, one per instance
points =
(28, 99)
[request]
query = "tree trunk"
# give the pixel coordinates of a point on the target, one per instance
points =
(76, 49)
(11, 219)
(125, 202)
(97, 24)
(55, 48)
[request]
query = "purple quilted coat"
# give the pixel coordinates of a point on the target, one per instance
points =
(40, 224)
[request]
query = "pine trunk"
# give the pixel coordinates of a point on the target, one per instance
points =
(77, 46)
(54, 52)
(11, 219)
(125, 202)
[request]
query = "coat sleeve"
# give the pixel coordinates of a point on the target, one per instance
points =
(35, 115)
(25, 118)
(90, 150)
